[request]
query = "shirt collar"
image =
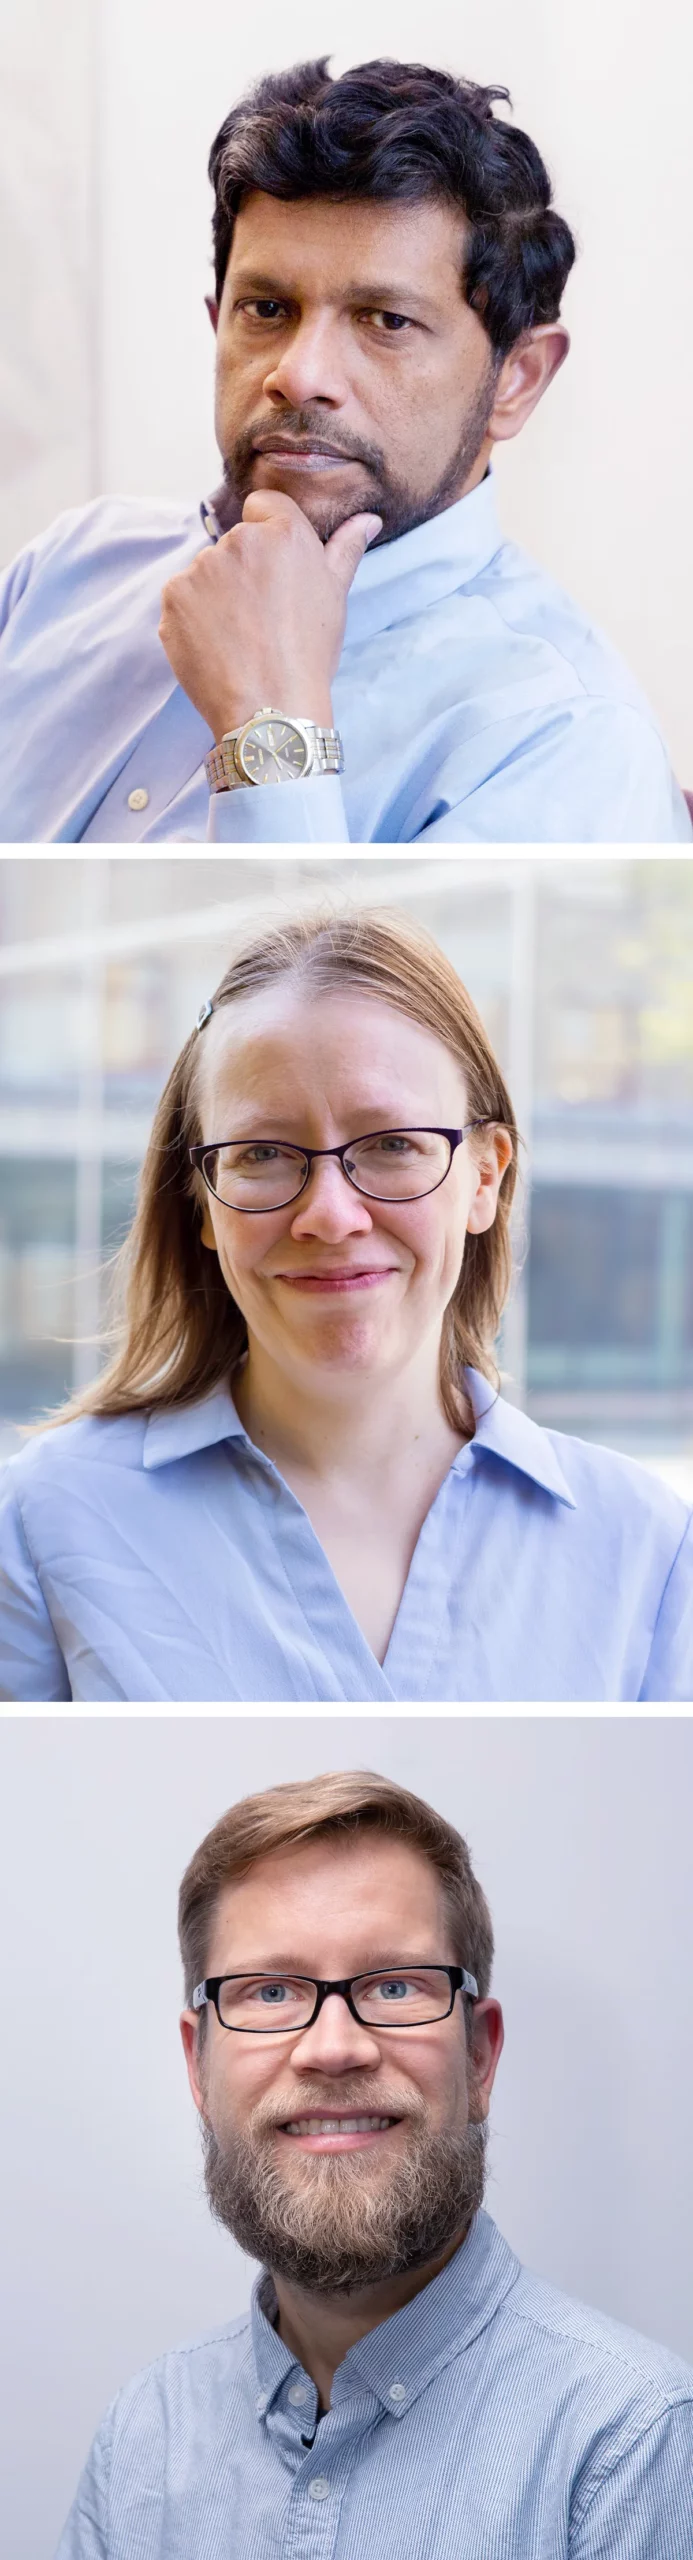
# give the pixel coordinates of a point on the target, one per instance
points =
(500, 1429)
(182, 1430)
(506, 1433)
(415, 2343)
(420, 567)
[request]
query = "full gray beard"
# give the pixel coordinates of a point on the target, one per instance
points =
(333, 2231)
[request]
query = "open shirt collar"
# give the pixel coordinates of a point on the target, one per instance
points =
(416, 2342)
(500, 1429)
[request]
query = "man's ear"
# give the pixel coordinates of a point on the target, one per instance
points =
(213, 308)
(485, 2040)
(524, 377)
(189, 2027)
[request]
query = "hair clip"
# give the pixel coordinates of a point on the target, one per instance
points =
(204, 1013)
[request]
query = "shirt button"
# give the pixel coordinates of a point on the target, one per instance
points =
(398, 2391)
(138, 799)
(261, 2403)
(319, 2489)
(297, 2394)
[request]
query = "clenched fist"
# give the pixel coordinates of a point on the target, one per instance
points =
(260, 617)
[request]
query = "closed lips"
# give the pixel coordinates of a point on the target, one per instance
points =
(328, 452)
(345, 1271)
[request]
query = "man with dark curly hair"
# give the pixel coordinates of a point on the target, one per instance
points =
(343, 616)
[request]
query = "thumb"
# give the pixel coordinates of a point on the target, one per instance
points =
(346, 547)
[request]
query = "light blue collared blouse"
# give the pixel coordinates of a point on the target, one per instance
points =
(167, 1558)
(490, 2419)
(476, 703)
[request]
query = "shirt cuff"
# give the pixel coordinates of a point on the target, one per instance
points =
(292, 813)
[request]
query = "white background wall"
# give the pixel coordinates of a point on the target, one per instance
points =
(598, 487)
(48, 383)
(580, 1831)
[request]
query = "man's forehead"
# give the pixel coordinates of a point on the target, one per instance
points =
(387, 244)
(322, 1880)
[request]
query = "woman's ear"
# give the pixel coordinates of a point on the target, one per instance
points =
(491, 1166)
(207, 1235)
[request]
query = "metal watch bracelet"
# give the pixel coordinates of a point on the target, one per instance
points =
(325, 753)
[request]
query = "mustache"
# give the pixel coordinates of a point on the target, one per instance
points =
(343, 2102)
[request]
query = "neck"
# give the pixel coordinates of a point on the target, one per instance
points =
(337, 1425)
(320, 2328)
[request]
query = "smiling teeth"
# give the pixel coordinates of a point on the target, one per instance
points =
(339, 2124)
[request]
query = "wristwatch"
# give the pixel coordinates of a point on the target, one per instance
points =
(272, 748)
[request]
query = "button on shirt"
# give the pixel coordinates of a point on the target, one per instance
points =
(476, 703)
(168, 1559)
(490, 2419)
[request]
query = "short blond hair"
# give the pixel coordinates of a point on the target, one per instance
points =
(338, 1804)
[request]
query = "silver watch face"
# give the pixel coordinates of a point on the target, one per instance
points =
(273, 751)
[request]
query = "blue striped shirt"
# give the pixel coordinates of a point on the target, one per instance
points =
(490, 2419)
(165, 1557)
(476, 702)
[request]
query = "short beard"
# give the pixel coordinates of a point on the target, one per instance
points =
(331, 2232)
(382, 493)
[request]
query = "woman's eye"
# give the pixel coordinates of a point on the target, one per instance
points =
(394, 1146)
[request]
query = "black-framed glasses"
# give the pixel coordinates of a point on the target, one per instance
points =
(257, 1174)
(415, 1995)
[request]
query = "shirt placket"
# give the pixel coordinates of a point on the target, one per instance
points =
(321, 2479)
(314, 1587)
(423, 1618)
(169, 752)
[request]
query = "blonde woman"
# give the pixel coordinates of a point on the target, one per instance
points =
(296, 1478)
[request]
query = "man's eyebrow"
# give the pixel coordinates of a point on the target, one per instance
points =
(375, 1964)
(375, 296)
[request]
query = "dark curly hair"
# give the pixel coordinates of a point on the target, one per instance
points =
(397, 132)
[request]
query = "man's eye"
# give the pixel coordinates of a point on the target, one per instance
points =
(264, 310)
(391, 322)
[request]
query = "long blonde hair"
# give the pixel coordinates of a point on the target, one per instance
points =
(178, 1332)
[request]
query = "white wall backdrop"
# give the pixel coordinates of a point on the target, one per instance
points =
(598, 485)
(580, 1831)
(48, 375)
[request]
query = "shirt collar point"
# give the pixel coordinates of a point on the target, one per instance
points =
(443, 553)
(512, 1436)
(181, 1431)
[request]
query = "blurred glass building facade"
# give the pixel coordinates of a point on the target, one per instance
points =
(583, 972)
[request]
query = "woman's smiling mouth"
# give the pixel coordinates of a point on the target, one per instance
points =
(337, 1282)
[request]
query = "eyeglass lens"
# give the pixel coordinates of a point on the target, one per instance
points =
(262, 2002)
(396, 1164)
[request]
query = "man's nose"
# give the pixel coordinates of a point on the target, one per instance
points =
(330, 1206)
(336, 2042)
(310, 365)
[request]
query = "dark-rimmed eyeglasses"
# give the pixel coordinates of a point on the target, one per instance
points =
(408, 1996)
(257, 1174)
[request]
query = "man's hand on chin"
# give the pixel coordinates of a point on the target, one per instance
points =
(260, 617)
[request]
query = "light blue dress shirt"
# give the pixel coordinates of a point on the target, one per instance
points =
(490, 2419)
(168, 1559)
(476, 703)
